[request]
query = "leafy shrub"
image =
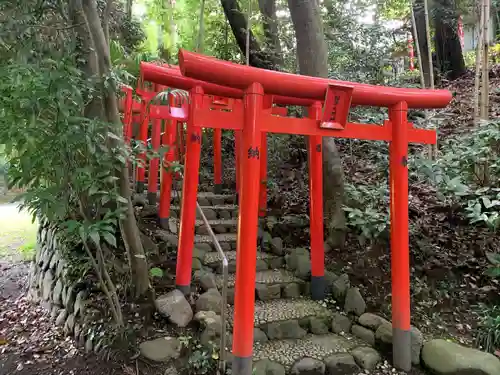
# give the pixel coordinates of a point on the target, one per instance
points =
(467, 175)
(367, 210)
(488, 337)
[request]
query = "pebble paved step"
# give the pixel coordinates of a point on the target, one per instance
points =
(213, 259)
(281, 310)
(287, 352)
(227, 240)
(219, 226)
(267, 277)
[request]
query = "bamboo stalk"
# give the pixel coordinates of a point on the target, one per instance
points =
(485, 66)
(479, 54)
(417, 45)
(432, 148)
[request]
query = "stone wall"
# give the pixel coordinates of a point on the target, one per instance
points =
(64, 299)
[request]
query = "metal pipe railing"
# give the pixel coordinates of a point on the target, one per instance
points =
(225, 279)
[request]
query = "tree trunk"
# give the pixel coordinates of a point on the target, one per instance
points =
(238, 22)
(448, 49)
(130, 231)
(129, 9)
(423, 49)
(268, 10)
(312, 56)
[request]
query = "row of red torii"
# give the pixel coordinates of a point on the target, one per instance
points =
(252, 102)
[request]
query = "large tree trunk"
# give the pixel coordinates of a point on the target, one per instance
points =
(238, 22)
(268, 10)
(129, 230)
(448, 49)
(422, 39)
(312, 56)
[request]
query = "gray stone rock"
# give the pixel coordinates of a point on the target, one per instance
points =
(80, 303)
(225, 215)
(330, 278)
(291, 290)
(209, 301)
(295, 257)
(303, 270)
(207, 281)
(69, 300)
(275, 263)
(372, 321)
(341, 364)
(54, 261)
(54, 312)
(261, 265)
(267, 292)
(230, 296)
(340, 286)
(259, 335)
(288, 329)
(196, 264)
(225, 246)
(201, 249)
(89, 345)
(266, 367)
(149, 246)
(341, 323)
(277, 246)
(384, 333)
(61, 318)
(204, 202)
(69, 325)
(48, 282)
(364, 334)
(210, 321)
(210, 214)
(60, 267)
(417, 340)
(318, 326)
(447, 358)
(308, 366)
(175, 307)
(139, 200)
(161, 350)
(57, 292)
(366, 358)
(354, 302)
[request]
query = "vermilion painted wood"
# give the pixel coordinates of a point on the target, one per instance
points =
(400, 257)
(172, 77)
(247, 229)
(315, 159)
(168, 140)
(154, 162)
(237, 76)
(189, 194)
(127, 113)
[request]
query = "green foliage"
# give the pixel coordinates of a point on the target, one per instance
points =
(494, 269)
(467, 175)
(202, 359)
(367, 210)
(488, 336)
(156, 272)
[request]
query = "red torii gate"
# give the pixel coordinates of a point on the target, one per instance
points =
(338, 97)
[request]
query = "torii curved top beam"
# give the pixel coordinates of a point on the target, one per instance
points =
(237, 76)
(171, 76)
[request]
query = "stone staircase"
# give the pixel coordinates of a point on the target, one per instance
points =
(293, 333)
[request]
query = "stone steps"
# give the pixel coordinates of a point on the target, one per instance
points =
(331, 349)
(264, 260)
(273, 313)
(219, 226)
(226, 211)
